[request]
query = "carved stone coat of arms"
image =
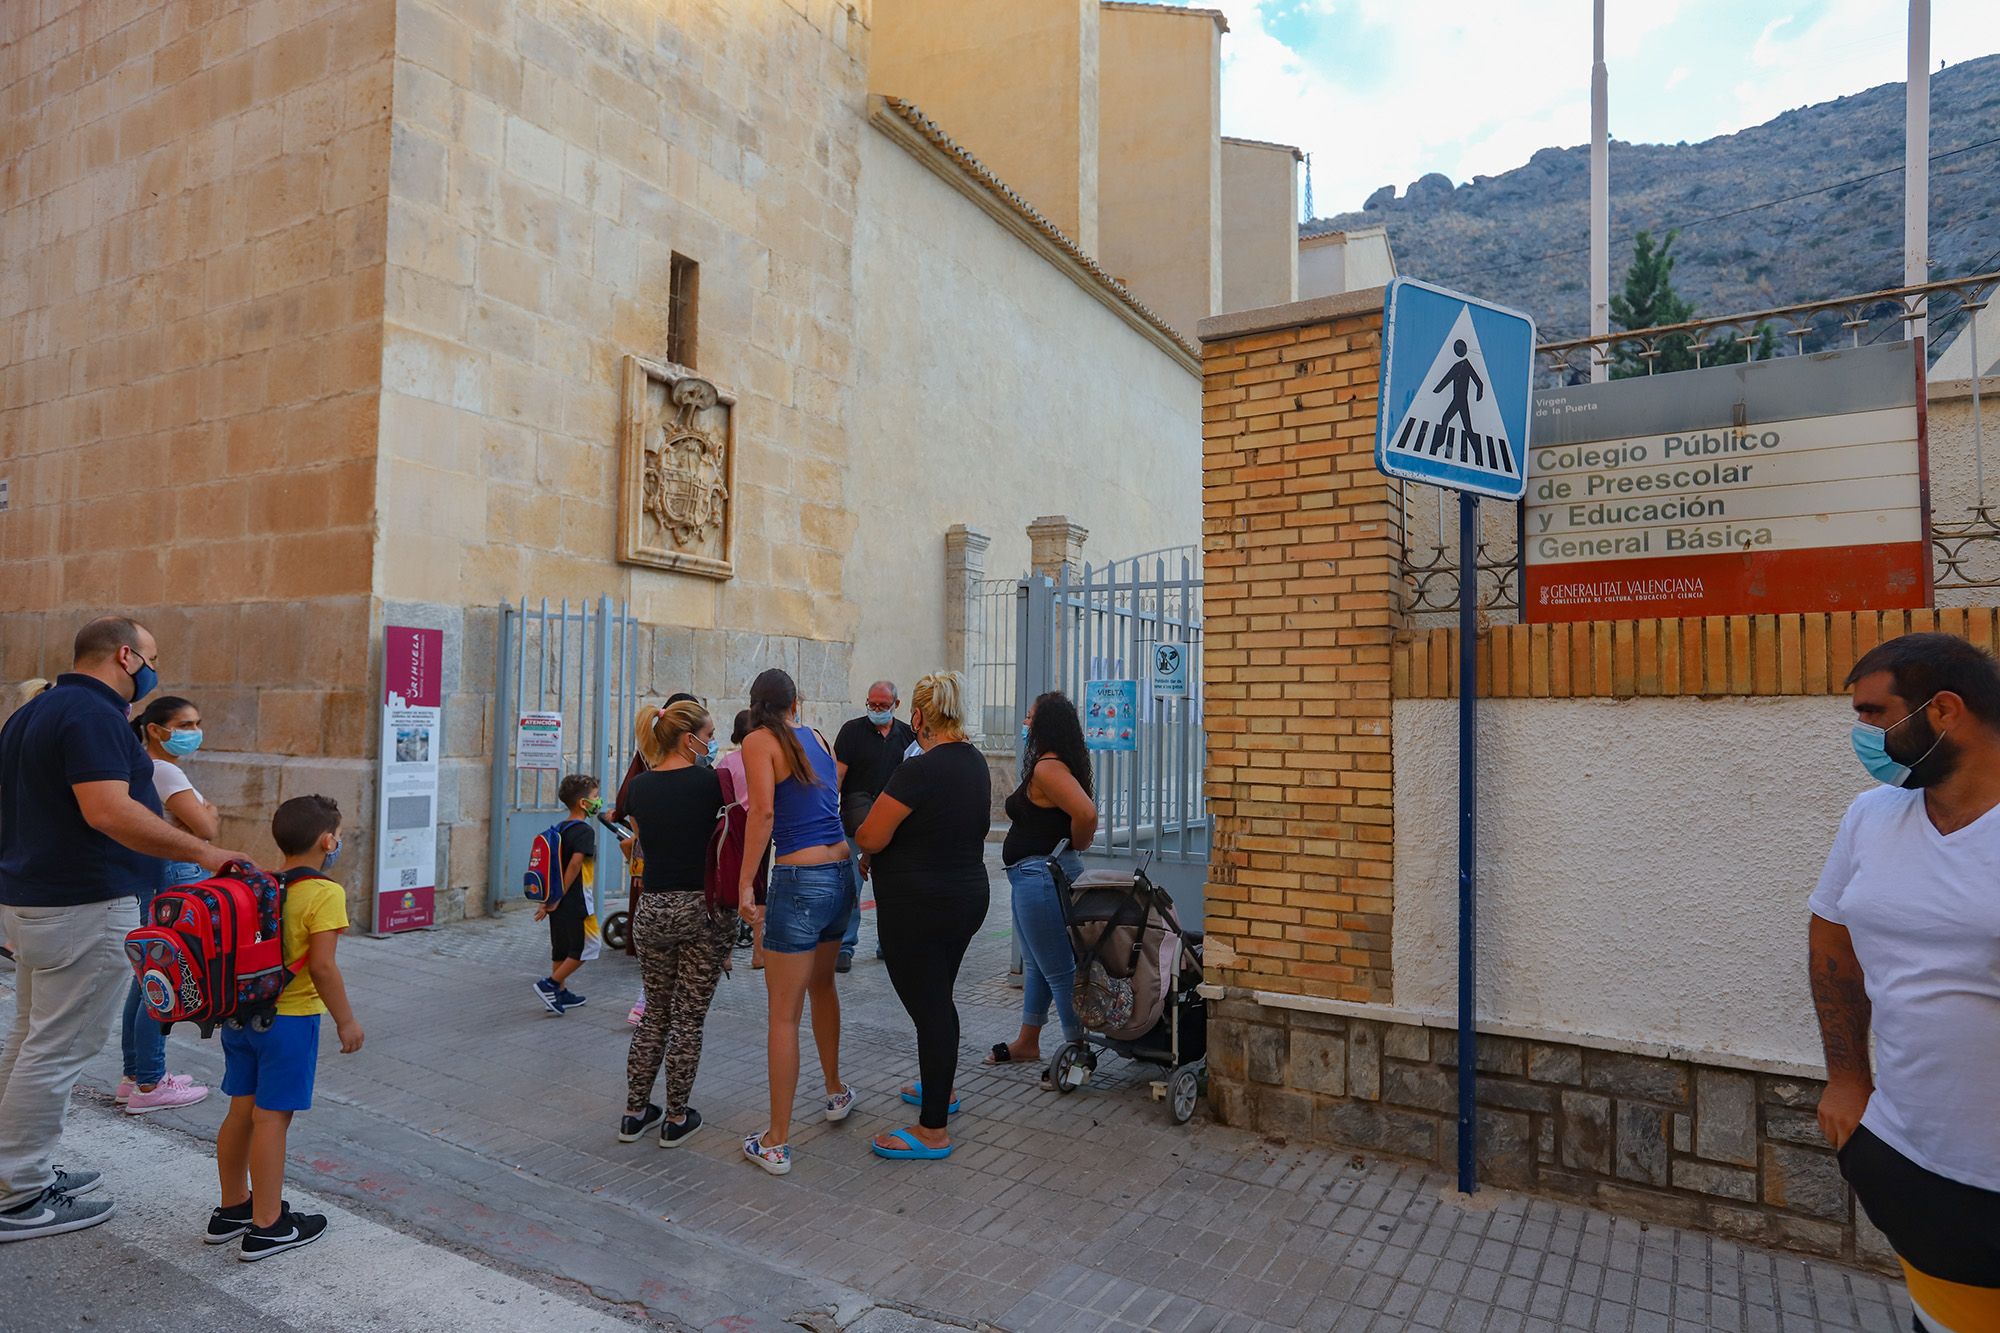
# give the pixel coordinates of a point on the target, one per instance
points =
(678, 470)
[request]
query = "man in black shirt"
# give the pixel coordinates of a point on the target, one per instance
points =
(865, 753)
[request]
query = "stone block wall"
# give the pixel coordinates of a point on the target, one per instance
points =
(1732, 1151)
(1300, 547)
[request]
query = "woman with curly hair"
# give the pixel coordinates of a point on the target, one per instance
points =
(1052, 805)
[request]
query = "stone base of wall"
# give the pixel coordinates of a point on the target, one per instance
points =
(1687, 1144)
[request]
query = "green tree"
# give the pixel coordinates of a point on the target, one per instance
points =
(1649, 301)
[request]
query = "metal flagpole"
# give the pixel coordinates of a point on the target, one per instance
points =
(1468, 796)
(1917, 162)
(1600, 198)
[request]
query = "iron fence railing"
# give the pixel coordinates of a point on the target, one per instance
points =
(1965, 551)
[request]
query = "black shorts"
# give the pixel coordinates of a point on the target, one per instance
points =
(1939, 1226)
(566, 930)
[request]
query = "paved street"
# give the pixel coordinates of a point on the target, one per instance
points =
(483, 1127)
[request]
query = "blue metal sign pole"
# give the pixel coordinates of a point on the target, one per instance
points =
(1468, 831)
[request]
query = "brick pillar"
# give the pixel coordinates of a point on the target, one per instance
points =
(1300, 540)
(964, 633)
(1055, 542)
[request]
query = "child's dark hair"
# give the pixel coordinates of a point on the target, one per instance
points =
(303, 821)
(743, 728)
(162, 710)
(575, 787)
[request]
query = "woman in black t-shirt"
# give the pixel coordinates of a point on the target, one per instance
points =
(926, 839)
(683, 946)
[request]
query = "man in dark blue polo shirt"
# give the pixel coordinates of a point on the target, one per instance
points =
(80, 834)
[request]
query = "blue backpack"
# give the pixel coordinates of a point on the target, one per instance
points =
(544, 881)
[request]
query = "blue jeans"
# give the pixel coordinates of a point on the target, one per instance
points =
(853, 935)
(807, 906)
(141, 1041)
(1048, 965)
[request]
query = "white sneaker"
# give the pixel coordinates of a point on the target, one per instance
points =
(840, 1105)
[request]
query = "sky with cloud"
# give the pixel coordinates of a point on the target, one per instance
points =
(1382, 91)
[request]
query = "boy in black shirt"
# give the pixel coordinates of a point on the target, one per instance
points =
(572, 918)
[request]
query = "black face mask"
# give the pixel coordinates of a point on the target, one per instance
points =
(1931, 758)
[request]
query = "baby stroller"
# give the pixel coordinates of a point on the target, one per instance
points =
(1137, 979)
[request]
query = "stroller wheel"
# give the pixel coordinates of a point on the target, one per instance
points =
(1183, 1091)
(1070, 1066)
(617, 930)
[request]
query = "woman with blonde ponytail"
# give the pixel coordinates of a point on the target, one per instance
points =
(926, 835)
(682, 944)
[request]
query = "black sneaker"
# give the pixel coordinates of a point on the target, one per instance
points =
(673, 1135)
(226, 1224)
(292, 1231)
(632, 1126)
(74, 1183)
(844, 963)
(51, 1213)
(570, 999)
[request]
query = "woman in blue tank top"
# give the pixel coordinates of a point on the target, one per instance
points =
(794, 801)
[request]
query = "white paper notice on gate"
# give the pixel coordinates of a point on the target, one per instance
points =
(538, 742)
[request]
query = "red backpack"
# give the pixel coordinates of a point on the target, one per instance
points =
(724, 864)
(543, 882)
(214, 951)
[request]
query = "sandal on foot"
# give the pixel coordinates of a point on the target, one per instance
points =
(917, 1151)
(1001, 1054)
(915, 1097)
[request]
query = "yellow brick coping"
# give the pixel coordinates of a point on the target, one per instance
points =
(1444, 1021)
(1697, 656)
(1292, 315)
(1215, 16)
(924, 139)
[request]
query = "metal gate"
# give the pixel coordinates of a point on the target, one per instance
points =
(1103, 625)
(578, 662)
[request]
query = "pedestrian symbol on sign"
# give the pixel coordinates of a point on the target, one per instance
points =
(1456, 377)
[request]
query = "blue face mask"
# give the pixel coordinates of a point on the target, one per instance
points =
(181, 744)
(144, 681)
(881, 717)
(714, 749)
(1871, 747)
(333, 856)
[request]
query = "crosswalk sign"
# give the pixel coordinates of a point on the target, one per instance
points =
(1457, 377)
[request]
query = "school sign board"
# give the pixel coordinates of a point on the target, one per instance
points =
(1795, 484)
(1457, 374)
(407, 778)
(1111, 715)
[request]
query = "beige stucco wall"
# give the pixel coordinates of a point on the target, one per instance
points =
(992, 390)
(1342, 261)
(1260, 212)
(1015, 81)
(192, 216)
(1599, 917)
(1159, 160)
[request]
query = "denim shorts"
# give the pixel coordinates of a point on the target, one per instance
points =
(275, 1067)
(807, 906)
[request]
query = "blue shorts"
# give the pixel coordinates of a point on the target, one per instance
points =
(275, 1067)
(808, 906)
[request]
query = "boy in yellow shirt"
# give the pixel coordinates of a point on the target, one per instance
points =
(269, 1075)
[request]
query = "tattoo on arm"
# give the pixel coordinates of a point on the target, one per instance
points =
(1840, 996)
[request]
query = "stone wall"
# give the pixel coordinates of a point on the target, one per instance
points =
(1300, 551)
(1730, 1150)
(549, 160)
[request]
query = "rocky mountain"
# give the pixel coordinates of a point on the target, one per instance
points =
(1523, 237)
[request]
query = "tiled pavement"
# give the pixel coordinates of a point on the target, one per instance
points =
(1080, 1212)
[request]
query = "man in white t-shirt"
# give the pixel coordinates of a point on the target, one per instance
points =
(1905, 941)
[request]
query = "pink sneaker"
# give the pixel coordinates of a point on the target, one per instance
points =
(124, 1093)
(638, 1012)
(172, 1091)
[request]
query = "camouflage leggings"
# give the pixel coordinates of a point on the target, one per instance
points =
(681, 949)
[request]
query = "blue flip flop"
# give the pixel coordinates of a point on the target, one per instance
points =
(918, 1151)
(917, 1099)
